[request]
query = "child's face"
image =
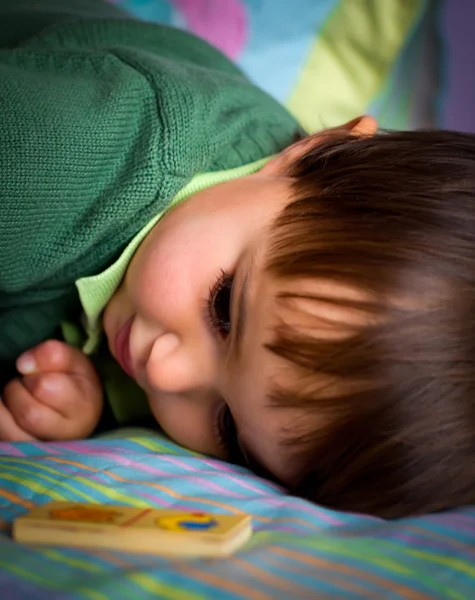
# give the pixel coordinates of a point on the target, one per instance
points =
(158, 322)
(192, 316)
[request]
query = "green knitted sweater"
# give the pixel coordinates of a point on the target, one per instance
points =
(102, 121)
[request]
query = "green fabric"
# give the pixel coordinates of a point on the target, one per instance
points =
(103, 121)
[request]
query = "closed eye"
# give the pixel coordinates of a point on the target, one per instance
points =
(218, 304)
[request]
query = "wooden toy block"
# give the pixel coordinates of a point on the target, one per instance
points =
(123, 528)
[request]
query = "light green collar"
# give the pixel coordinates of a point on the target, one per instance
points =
(96, 291)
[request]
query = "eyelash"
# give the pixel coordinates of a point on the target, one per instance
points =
(219, 325)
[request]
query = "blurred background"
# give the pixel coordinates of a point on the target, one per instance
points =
(410, 63)
(459, 106)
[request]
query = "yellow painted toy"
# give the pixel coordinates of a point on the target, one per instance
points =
(166, 532)
(187, 522)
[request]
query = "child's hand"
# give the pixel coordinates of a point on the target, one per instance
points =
(58, 397)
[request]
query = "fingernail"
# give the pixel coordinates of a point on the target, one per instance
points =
(26, 364)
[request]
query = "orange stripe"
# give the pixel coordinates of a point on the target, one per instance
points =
(133, 520)
(362, 592)
(223, 584)
(73, 464)
(173, 494)
(447, 539)
(346, 570)
(16, 499)
(273, 580)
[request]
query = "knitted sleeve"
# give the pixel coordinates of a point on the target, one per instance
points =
(70, 122)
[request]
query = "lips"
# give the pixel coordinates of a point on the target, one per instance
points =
(122, 348)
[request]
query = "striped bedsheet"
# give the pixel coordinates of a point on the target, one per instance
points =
(298, 550)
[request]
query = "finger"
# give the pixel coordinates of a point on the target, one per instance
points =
(9, 429)
(36, 418)
(54, 355)
(32, 416)
(63, 392)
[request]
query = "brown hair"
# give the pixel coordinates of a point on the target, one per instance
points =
(392, 215)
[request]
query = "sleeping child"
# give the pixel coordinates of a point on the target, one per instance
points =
(174, 247)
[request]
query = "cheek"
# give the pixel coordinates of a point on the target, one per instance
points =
(159, 276)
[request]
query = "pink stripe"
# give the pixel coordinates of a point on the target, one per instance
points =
(81, 447)
(154, 498)
(176, 461)
(126, 462)
(8, 449)
(224, 25)
(217, 465)
(46, 446)
(453, 520)
(220, 466)
(298, 507)
(203, 483)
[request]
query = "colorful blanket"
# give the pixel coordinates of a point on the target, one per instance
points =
(298, 550)
(327, 60)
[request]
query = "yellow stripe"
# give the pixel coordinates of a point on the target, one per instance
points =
(93, 594)
(36, 466)
(447, 561)
(40, 489)
(351, 59)
(102, 488)
(49, 583)
(161, 590)
(28, 575)
(155, 446)
(72, 562)
(33, 486)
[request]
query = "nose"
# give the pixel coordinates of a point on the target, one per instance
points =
(176, 365)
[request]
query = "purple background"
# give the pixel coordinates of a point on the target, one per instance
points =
(459, 104)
